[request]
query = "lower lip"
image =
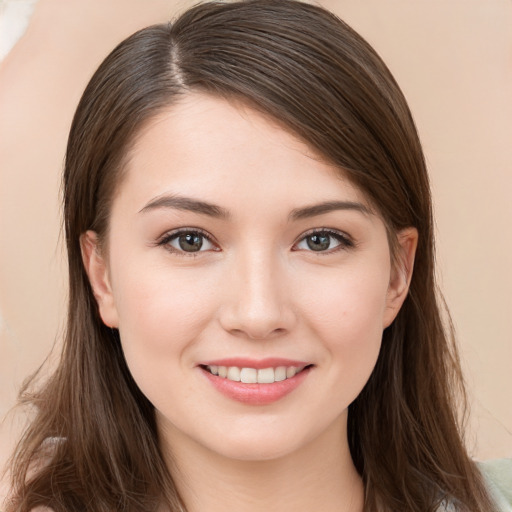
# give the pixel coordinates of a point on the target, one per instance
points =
(256, 394)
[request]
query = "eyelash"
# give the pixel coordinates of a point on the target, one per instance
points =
(345, 241)
(168, 237)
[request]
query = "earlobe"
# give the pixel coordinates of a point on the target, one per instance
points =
(97, 270)
(401, 273)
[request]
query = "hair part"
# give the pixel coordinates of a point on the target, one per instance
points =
(306, 69)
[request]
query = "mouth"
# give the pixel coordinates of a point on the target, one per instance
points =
(255, 381)
(248, 375)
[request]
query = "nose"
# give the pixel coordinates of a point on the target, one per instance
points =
(257, 302)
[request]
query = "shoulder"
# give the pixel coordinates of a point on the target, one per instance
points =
(498, 477)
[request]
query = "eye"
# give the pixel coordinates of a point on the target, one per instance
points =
(324, 241)
(188, 241)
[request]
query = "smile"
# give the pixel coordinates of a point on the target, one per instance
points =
(254, 375)
(255, 382)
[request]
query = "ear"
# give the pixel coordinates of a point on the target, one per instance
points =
(97, 270)
(401, 273)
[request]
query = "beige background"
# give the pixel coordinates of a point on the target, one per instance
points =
(453, 60)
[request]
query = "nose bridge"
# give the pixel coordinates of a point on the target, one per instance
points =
(258, 306)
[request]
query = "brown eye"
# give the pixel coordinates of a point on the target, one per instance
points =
(188, 242)
(324, 241)
(318, 242)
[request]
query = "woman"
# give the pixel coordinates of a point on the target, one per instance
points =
(253, 321)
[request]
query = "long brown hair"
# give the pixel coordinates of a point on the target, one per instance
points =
(93, 443)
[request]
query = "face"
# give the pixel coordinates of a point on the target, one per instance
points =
(250, 282)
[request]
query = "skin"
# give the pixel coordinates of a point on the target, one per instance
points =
(256, 290)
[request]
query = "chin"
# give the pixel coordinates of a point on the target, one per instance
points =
(256, 450)
(261, 444)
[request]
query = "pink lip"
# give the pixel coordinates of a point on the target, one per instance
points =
(256, 394)
(269, 362)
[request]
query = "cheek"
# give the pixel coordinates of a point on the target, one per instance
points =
(161, 313)
(350, 303)
(161, 318)
(348, 318)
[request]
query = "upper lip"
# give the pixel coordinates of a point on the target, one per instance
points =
(243, 362)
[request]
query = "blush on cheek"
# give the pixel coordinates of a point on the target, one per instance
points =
(158, 308)
(350, 320)
(351, 309)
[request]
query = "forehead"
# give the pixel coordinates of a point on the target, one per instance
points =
(207, 145)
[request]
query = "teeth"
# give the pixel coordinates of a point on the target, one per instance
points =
(249, 375)
(253, 376)
(280, 373)
(290, 371)
(266, 376)
(234, 373)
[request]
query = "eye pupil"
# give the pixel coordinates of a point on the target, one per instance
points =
(190, 242)
(318, 242)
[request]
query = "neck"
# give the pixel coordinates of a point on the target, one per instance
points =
(318, 476)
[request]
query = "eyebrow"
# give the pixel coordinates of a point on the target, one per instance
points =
(213, 210)
(186, 204)
(326, 207)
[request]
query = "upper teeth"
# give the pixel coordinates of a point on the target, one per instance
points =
(252, 375)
